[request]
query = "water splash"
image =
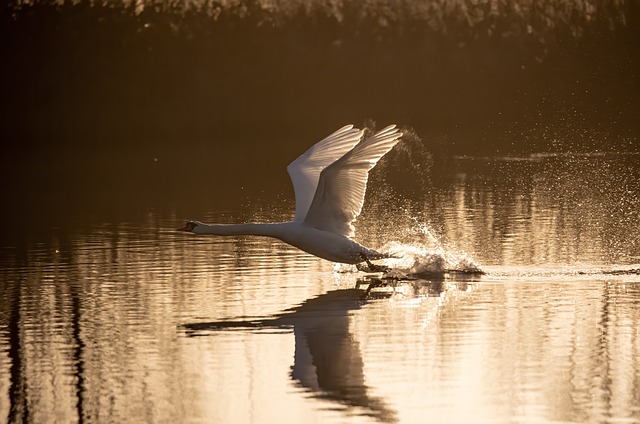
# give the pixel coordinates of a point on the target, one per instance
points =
(418, 259)
(427, 254)
(424, 255)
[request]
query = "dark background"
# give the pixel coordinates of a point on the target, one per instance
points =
(105, 106)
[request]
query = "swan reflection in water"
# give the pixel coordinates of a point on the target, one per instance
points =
(328, 361)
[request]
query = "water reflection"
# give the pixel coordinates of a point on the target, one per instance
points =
(327, 359)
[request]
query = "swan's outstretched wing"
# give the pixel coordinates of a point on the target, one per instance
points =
(342, 185)
(305, 171)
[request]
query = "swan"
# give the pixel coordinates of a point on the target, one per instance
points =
(329, 181)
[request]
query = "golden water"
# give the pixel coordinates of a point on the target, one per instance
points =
(129, 321)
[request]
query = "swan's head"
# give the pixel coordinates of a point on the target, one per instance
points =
(189, 226)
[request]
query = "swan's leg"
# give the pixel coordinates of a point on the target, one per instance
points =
(373, 267)
(374, 284)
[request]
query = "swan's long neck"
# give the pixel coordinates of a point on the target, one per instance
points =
(270, 230)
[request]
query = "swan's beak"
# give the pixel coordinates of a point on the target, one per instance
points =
(188, 227)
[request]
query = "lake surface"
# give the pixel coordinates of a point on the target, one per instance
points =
(121, 319)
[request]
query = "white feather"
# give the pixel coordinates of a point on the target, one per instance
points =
(339, 195)
(330, 181)
(305, 170)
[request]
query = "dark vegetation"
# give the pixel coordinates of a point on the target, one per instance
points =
(106, 91)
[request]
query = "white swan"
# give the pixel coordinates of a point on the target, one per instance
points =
(329, 180)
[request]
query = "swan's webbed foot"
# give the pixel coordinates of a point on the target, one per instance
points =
(371, 267)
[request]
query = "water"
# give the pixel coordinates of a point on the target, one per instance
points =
(119, 318)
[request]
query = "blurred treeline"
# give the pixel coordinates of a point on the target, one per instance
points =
(481, 74)
(207, 82)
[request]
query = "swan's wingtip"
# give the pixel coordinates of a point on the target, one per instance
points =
(347, 127)
(389, 130)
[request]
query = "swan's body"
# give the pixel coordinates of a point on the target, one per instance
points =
(324, 244)
(330, 180)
